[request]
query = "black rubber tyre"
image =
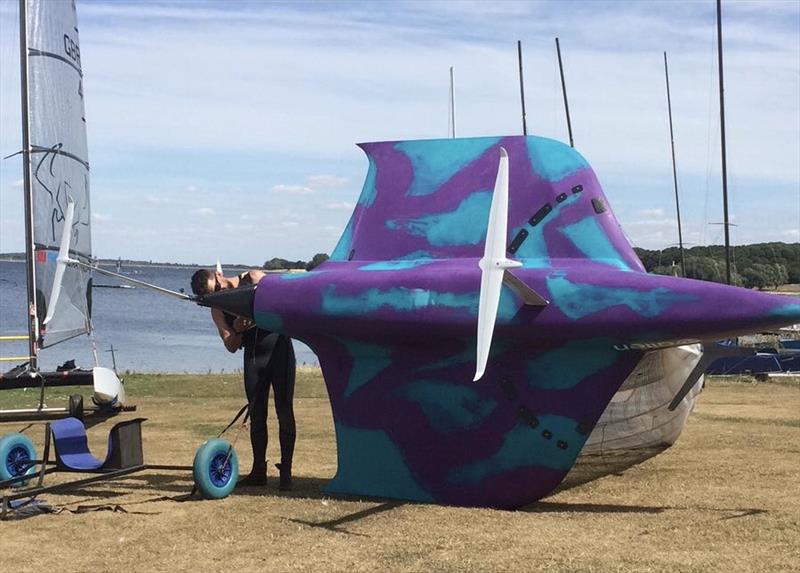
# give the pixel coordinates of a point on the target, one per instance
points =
(76, 406)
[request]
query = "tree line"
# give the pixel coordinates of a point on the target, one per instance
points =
(278, 264)
(762, 265)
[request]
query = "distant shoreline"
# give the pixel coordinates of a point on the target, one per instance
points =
(20, 258)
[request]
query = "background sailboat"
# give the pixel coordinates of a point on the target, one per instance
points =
(57, 200)
(56, 169)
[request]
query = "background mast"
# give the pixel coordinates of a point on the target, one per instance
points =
(453, 102)
(726, 222)
(564, 91)
(522, 88)
(674, 169)
(32, 315)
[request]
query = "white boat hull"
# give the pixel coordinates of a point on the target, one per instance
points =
(638, 415)
(108, 388)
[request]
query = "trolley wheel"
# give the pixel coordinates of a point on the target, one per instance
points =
(215, 469)
(16, 455)
(76, 406)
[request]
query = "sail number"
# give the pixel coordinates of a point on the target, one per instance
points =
(72, 50)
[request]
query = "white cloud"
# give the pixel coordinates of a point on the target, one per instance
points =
(341, 205)
(325, 181)
(261, 118)
(652, 233)
(313, 183)
(100, 218)
(292, 189)
(398, 92)
(661, 223)
(18, 184)
(238, 227)
(651, 212)
(289, 224)
(792, 234)
(203, 211)
(153, 200)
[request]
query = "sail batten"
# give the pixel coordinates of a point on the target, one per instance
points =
(57, 166)
(33, 52)
(40, 149)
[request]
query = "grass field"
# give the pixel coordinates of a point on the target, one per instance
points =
(724, 498)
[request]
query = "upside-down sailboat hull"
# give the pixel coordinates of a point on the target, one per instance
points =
(392, 317)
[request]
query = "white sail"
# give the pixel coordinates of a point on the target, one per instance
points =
(58, 164)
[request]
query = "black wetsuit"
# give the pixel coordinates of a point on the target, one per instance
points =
(269, 360)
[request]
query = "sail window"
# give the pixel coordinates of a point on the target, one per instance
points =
(540, 214)
(527, 416)
(518, 240)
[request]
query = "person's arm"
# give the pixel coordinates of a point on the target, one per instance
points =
(251, 277)
(230, 338)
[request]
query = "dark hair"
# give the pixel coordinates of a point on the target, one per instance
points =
(200, 281)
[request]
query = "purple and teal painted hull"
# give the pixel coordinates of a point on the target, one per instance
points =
(392, 318)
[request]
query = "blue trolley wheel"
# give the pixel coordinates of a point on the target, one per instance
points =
(215, 469)
(16, 455)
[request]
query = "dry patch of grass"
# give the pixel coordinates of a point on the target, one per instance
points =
(724, 498)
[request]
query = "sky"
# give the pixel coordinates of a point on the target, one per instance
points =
(229, 129)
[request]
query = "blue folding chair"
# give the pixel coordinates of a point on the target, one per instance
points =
(72, 447)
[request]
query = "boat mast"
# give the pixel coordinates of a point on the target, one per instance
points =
(522, 88)
(726, 222)
(453, 102)
(674, 169)
(33, 320)
(564, 91)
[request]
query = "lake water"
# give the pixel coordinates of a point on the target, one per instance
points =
(150, 332)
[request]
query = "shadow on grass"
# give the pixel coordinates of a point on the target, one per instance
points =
(566, 507)
(312, 488)
(178, 488)
(587, 469)
(304, 488)
(180, 484)
(590, 467)
(335, 524)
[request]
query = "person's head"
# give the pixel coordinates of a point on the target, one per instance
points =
(204, 281)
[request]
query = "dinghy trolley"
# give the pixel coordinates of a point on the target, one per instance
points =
(215, 468)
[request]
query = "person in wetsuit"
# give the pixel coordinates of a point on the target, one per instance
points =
(268, 361)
